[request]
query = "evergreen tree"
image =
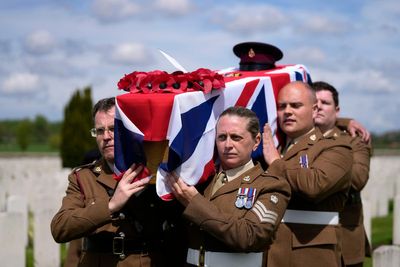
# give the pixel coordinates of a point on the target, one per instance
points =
(24, 134)
(75, 136)
(41, 130)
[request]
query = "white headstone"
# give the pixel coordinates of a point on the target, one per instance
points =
(383, 201)
(12, 252)
(2, 198)
(46, 250)
(19, 204)
(396, 221)
(386, 256)
(367, 218)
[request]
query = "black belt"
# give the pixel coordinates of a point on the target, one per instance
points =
(118, 245)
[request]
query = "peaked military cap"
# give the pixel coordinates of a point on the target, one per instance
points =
(257, 56)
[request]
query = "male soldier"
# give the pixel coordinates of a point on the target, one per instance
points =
(318, 171)
(122, 223)
(355, 245)
(74, 249)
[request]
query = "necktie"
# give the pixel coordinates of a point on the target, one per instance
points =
(221, 180)
(287, 147)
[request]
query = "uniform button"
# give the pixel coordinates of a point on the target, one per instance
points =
(151, 205)
(92, 203)
(121, 216)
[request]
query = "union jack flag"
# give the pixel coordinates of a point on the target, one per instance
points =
(188, 121)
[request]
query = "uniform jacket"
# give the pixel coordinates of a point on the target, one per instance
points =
(318, 170)
(84, 213)
(218, 225)
(74, 252)
(355, 245)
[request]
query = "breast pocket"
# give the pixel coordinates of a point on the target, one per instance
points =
(313, 235)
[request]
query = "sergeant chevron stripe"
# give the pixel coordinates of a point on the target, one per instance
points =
(265, 215)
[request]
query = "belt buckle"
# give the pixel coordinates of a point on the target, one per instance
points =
(118, 246)
(202, 256)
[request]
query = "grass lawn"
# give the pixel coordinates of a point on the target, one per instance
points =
(14, 148)
(382, 232)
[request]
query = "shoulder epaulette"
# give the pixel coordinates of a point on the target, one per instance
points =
(85, 166)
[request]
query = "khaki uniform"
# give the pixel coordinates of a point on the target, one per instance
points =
(74, 252)
(318, 171)
(354, 240)
(138, 235)
(217, 225)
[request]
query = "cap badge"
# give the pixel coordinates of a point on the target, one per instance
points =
(251, 53)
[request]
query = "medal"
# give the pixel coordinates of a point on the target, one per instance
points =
(250, 198)
(303, 161)
(239, 202)
(241, 197)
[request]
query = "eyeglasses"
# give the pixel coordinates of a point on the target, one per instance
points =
(94, 132)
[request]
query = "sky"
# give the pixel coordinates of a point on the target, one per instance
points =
(51, 48)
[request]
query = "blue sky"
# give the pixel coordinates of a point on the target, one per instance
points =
(48, 49)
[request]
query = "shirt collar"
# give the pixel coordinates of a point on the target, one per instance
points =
(295, 140)
(236, 172)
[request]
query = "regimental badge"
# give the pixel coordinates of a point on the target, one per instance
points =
(241, 197)
(303, 161)
(233, 74)
(313, 137)
(274, 199)
(251, 53)
(97, 169)
(250, 198)
(246, 178)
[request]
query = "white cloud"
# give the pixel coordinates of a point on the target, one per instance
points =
(325, 25)
(173, 7)
(359, 81)
(366, 81)
(311, 54)
(130, 53)
(20, 83)
(248, 19)
(114, 10)
(40, 42)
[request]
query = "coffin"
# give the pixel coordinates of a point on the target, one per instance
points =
(175, 131)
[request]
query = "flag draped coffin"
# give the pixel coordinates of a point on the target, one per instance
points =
(184, 124)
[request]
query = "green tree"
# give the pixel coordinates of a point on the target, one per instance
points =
(41, 131)
(75, 136)
(24, 130)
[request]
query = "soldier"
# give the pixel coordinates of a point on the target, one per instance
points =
(355, 245)
(318, 170)
(234, 219)
(122, 223)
